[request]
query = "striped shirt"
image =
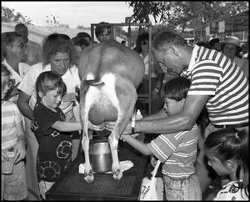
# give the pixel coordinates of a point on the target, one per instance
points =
(213, 74)
(11, 116)
(178, 152)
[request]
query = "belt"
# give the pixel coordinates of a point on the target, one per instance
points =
(232, 126)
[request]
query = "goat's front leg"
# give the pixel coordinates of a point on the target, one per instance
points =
(127, 101)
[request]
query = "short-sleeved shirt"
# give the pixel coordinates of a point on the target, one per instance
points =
(11, 116)
(213, 74)
(28, 84)
(55, 147)
(232, 192)
(177, 152)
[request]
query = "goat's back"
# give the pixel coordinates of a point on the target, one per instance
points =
(111, 57)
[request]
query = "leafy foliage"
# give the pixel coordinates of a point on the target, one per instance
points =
(9, 15)
(192, 14)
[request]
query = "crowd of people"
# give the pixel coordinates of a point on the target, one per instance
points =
(40, 112)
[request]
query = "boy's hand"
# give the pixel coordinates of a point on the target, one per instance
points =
(20, 151)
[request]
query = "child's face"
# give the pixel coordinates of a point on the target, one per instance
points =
(5, 81)
(218, 166)
(52, 99)
(172, 106)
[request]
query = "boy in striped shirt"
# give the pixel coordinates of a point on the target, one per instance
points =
(177, 151)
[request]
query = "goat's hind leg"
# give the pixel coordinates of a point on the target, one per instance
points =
(125, 110)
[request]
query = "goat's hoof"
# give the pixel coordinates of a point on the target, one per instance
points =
(89, 177)
(117, 175)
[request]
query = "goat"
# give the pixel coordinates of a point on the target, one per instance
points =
(110, 74)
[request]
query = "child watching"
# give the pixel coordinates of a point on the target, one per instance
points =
(53, 132)
(228, 154)
(177, 151)
(14, 186)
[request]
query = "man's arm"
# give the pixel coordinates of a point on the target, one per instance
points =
(23, 105)
(174, 123)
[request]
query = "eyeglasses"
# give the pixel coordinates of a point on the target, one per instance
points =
(144, 43)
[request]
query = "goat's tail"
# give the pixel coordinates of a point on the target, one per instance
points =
(94, 82)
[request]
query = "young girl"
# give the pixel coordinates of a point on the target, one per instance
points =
(228, 154)
(14, 185)
(53, 132)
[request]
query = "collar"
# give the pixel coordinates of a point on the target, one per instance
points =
(14, 74)
(193, 58)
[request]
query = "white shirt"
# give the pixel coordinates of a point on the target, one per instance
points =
(70, 78)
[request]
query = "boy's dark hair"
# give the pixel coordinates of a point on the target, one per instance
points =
(231, 143)
(48, 81)
(176, 88)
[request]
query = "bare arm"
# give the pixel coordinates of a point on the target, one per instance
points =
(158, 115)
(138, 145)
(67, 126)
(181, 121)
(23, 105)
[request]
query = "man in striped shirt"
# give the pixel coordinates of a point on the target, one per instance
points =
(217, 83)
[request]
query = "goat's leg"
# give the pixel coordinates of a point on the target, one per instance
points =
(84, 109)
(127, 101)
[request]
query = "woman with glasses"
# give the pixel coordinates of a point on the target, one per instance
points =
(157, 75)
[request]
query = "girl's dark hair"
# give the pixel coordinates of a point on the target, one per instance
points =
(176, 88)
(231, 144)
(55, 43)
(48, 81)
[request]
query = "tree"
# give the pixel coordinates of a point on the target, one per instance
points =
(9, 15)
(192, 14)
